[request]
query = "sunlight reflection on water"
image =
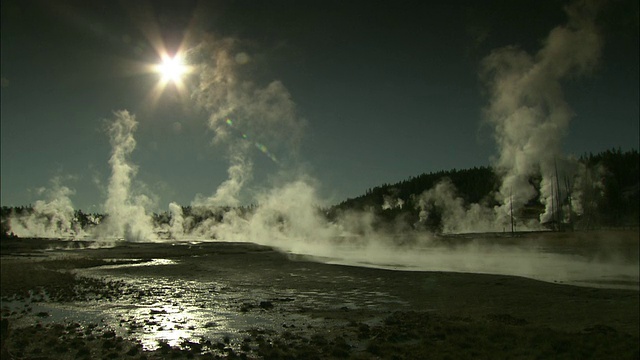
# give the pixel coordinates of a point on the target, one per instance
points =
(156, 303)
(134, 263)
(165, 310)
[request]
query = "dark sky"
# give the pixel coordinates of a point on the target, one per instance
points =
(386, 89)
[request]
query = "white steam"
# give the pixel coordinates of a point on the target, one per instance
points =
(50, 218)
(127, 216)
(227, 194)
(528, 110)
(177, 220)
(242, 114)
(391, 202)
(456, 217)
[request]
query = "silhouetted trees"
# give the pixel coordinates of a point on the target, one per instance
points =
(613, 202)
(619, 202)
(611, 198)
(474, 186)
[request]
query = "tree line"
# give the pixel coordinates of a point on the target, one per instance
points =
(614, 202)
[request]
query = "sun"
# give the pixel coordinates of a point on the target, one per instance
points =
(172, 69)
(173, 72)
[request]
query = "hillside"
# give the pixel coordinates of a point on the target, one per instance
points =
(611, 199)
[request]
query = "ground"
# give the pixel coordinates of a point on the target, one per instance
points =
(63, 300)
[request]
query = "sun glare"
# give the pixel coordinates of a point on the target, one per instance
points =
(172, 69)
(172, 73)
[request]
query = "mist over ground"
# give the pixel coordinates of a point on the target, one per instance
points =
(526, 110)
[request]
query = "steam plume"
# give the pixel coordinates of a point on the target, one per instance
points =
(127, 217)
(227, 194)
(528, 110)
(266, 113)
(177, 220)
(50, 218)
(455, 216)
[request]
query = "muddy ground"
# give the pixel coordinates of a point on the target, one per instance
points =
(240, 300)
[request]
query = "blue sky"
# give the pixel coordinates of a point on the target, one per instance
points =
(386, 90)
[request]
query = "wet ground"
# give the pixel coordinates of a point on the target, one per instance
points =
(228, 300)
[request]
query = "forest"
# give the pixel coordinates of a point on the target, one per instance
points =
(612, 200)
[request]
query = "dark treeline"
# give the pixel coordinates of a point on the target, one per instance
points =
(473, 185)
(620, 200)
(612, 199)
(197, 215)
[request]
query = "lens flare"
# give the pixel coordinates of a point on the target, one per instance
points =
(258, 145)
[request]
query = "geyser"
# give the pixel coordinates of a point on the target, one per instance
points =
(528, 110)
(127, 216)
(50, 218)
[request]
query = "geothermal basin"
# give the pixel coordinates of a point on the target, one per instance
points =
(529, 295)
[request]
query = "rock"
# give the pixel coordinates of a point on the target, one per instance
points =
(266, 305)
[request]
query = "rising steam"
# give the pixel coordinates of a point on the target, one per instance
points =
(127, 216)
(50, 218)
(528, 110)
(266, 113)
(227, 194)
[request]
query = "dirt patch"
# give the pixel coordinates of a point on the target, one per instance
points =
(226, 300)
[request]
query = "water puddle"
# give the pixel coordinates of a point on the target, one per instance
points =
(170, 310)
(125, 263)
